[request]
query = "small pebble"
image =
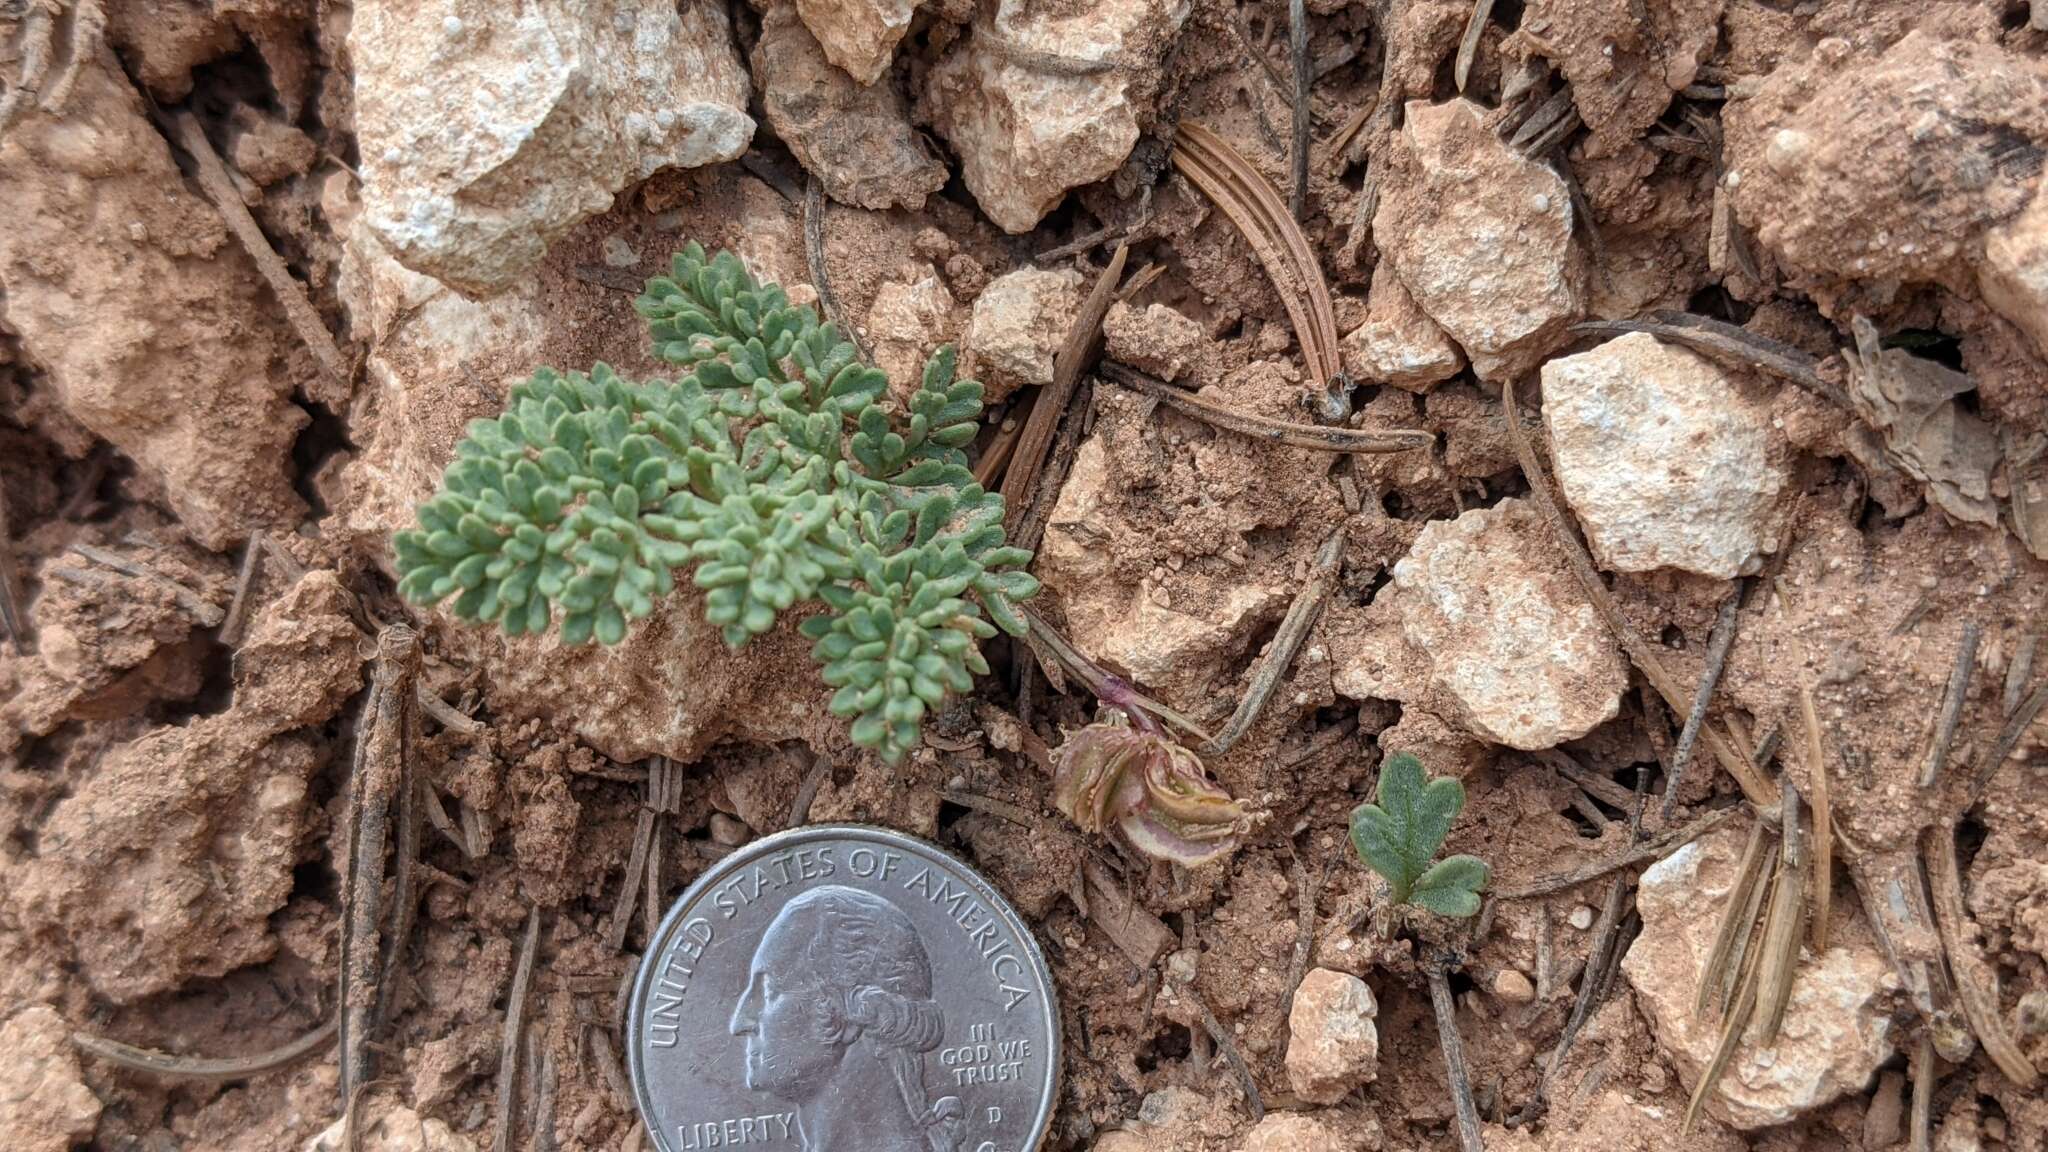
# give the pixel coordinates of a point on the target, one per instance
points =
(1513, 987)
(728, 831)
(1582, 917)
(618, 253)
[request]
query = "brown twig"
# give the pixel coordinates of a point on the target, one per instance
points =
(1823, 822)
(1453, 1045)
(1001, 809)
(305, 320)
(385, 740)
(1718, 644)
(1083, 344)
(1001, 447)
(446, 715)
(11, 617)
(199, 607)
(1315, 437)
(1732, 757)
(515, 1024)
(202, 1068)
(1924, 1076)
(1224, 1044)
(629, 890)
(245, 577)
(1544, 118)
(1229, 180)
(1952, 701)
(1132, 927)
(1297, 51)
(1730, 345)
(1306, 890)
(1294, 628)
(1600, 957)
(1098, 680)
(1053, 475)
(814, 256)
(2021, 669)
(1468, 44)
(1654, 848)
(2016, 725)
(609, 1067)
(807, 792)
(1778, 952)
(544, 1104)
(1976, 981)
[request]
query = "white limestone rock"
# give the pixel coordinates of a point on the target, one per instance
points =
(1485, 625)
(1668, 460)
(1041, 98)
(1020, 320)
(1481, 236)
(1398, 344)
(489, 129)
(857, 140)
(1333, 1042)
(859, 36)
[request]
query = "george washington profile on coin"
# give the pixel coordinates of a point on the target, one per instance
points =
(842, 988)
(837, 1018)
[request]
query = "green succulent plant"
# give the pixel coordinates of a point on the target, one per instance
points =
(772, 469)
(1399, 836)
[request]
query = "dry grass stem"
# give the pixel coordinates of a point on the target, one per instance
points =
(1655, 848)
(1823, 822)
(1227, 178)
(1315, 437)
(1468, 44)
(1976, 979)
(226, 198)
(1952, 701)
(1076, 355)
(1736, 922)
(1730, 346)
(201, 1068)
(1294, 628)
(1778, 952)
(1453, 1045)
(1719, 642)
(1732, 757)
(514, 1035)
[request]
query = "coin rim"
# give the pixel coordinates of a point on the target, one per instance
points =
(671, 920)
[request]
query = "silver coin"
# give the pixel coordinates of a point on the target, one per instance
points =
(839, 988)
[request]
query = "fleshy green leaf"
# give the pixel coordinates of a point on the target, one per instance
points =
(1452, 885)
(770, 473)
(1399, 835)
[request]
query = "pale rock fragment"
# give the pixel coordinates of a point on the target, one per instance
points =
(1481, 236)
(1669, 460)
(487, 130)
(1837, 1029)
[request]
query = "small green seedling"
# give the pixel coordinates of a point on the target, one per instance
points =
(1399, 836)
(774, 471)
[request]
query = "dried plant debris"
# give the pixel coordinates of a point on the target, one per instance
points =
(1913, 424)
(1127, 772)
(1257, 209)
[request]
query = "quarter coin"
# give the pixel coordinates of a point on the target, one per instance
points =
(841, 988)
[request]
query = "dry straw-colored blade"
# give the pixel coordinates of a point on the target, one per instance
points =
(1260, 212)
